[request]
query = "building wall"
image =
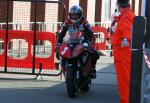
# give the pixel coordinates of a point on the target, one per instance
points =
(21, 15)
(39, 10)
(91, 10)
(83, 4)
(51, 16)
(136, 7)
(95, 11)
(73, 2)
(3, 14)
(98, 10)
(113, 6)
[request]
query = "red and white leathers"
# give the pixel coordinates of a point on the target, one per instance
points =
(80, 26)
(122, 55)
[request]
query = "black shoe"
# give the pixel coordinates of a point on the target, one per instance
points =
(93, 74)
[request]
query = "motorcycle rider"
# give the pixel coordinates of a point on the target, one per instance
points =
(77, 23)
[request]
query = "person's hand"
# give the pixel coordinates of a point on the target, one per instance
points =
(91, 46)
(85, 45)
(124, 42)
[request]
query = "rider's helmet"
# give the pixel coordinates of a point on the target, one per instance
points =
(75, 13)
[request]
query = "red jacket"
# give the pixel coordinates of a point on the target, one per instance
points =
(82, 26)
(123, 29)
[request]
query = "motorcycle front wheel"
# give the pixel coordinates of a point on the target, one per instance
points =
(71, 83)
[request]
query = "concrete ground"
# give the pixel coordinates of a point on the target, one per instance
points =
(16, 88)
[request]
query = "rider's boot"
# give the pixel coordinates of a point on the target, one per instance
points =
(93, 72)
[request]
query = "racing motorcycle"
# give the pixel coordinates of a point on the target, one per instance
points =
(77, 61)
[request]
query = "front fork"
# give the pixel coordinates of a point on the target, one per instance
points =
(75, 65)
(71, 64)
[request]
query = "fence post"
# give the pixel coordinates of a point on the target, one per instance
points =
(34, 40)
(6, 37)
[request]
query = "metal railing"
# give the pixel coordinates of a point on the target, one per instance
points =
(42, 26)
(46, 26)
(28, 23)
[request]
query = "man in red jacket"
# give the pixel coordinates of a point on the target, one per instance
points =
(121, 41)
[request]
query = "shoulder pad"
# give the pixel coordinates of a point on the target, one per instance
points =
(83, 20)
(67, 21)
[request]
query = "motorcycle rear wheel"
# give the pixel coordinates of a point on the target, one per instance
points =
(86, 87)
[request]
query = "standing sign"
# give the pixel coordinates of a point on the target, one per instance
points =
(138, 34)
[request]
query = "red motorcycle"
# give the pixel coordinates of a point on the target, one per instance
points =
(77, 60)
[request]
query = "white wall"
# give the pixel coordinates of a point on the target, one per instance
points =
(136, 7)
(73, 2)
(91, 10)
(51, 15)
(21, 14)
(104, 7)
(113, 6)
